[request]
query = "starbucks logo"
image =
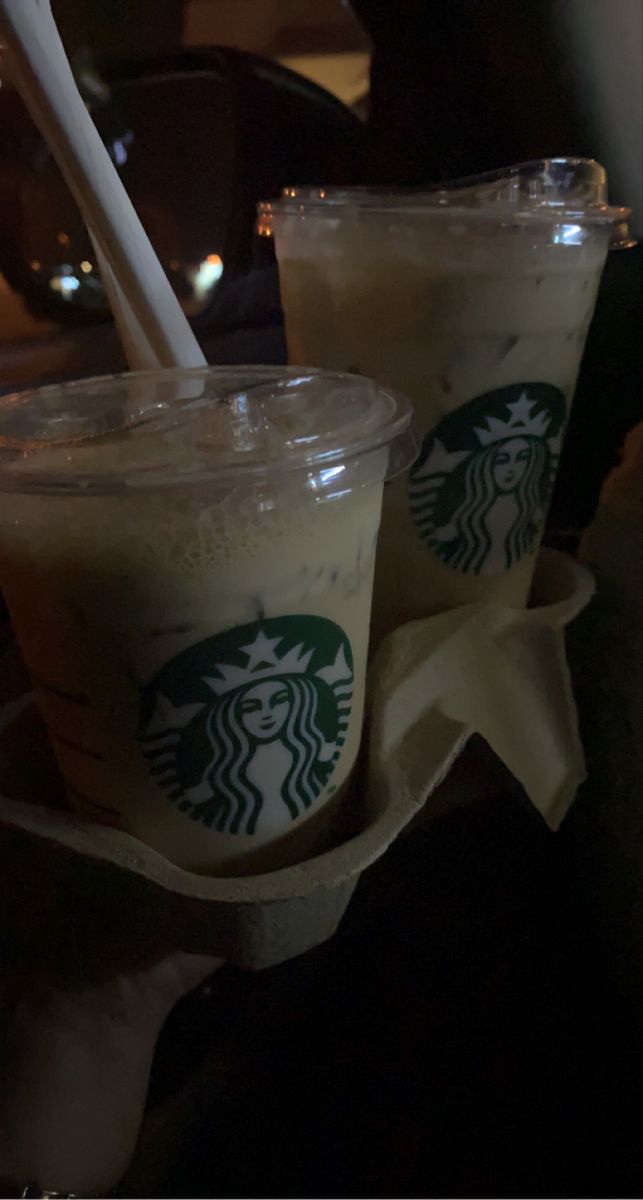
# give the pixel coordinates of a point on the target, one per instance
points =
(243, 730)
(480, 488)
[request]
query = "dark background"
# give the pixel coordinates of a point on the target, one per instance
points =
(468, 1031)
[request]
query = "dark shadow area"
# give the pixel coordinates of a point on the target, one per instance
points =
(458, 1037)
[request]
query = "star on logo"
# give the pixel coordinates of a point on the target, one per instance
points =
(167, 715)
(440, 461)
(521, 410)
(263, 662)
(520, 423)
(261, 651)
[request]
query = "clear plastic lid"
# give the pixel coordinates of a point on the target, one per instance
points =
(551, 190)
(229, 424)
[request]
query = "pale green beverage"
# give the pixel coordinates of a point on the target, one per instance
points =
(188, 560)
(476, 302)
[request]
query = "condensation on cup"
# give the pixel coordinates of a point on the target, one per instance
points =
(475, 300)
(188, 561)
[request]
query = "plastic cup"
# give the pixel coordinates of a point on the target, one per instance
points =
(475, 300)
(188, 560)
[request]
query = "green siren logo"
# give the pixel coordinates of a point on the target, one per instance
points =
(479, 490)
(243, 730)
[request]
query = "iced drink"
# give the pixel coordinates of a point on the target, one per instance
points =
(476, 302)
(190, 581)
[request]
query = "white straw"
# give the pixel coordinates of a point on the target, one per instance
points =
(43, 75)
(138, 352)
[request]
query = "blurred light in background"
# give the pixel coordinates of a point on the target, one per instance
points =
(206, 276)
(65, 285)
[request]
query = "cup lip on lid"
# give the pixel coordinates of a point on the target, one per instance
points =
(550, 191)
(62, 418)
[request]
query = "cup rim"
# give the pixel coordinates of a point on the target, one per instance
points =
(303, 202)
(555, 204)
(388, 426)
